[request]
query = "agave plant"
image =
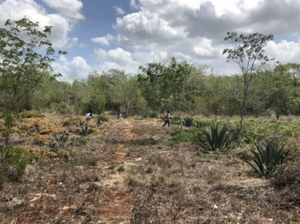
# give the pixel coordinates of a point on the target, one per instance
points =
(266, 161)
(61, 138)
(199, 124)
(85, 131)
(188, 121)
(81, 123)
(59, 141)
(101, 118)
(217, 140)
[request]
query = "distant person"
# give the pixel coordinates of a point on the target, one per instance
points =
(167, 119)
(88, 117)
(120, 116)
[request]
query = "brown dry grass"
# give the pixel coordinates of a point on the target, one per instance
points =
(128, 172)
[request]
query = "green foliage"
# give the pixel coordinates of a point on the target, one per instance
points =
(266, 161)
(85, 131)
(174, 120)
(188, 121)
(201, 124)
(59, 140)
(216, 139)
(102, 118)
(22, 67)
(153, 115)
(13, 162)
(9, 118)
(247, 52)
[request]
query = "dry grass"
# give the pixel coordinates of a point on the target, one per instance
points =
(126, 171)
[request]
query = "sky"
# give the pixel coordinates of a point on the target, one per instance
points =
(100, 35)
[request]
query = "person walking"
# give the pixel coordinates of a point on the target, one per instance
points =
(167, 119)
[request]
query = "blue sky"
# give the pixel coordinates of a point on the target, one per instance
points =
(123, 34)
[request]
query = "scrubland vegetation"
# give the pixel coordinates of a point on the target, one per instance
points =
(231, 154)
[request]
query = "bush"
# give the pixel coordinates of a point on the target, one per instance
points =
(13, 162)
(101, 118)
(85, 131)
(215, 139)
(153, 115)
(266, 161)
(60, 140)
(188, 121)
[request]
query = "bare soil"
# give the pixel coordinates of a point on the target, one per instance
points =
(127, 171)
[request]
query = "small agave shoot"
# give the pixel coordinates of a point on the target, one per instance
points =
(215, 139)
(266, 161)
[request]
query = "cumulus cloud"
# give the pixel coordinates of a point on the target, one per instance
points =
(68, 8)
(198, 33)
(156, 30)
(101, 40)
(17, 9)
(72, 69)
(117, 55)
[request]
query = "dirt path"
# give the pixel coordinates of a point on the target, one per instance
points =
(116, 203)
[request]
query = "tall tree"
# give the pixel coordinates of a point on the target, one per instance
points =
(26, 56)
(165, 85)
(248, 52)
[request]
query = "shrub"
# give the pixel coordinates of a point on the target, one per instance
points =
(153, 115)
(200, 124)
(85, 131)
(174, 119)
(215, 139)
(13, 162)
(188, 121)
(101, 118)
(60, 140)
(266, 161)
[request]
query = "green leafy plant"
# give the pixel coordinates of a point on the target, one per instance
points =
(9, 119)
(101, 118)
(13, 160)
(188, 121)
(266, 161)
(85, 131)
(216, 139)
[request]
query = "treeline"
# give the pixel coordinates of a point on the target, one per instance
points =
(26, 81)
(180, 87)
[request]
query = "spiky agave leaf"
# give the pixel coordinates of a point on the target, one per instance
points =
(267, 161)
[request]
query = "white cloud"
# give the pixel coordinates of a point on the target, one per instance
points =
(68, 8)
(284, 51)
(119, 10)
(72, 69)
(101, 40)
(117, 55)
(17, 9)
